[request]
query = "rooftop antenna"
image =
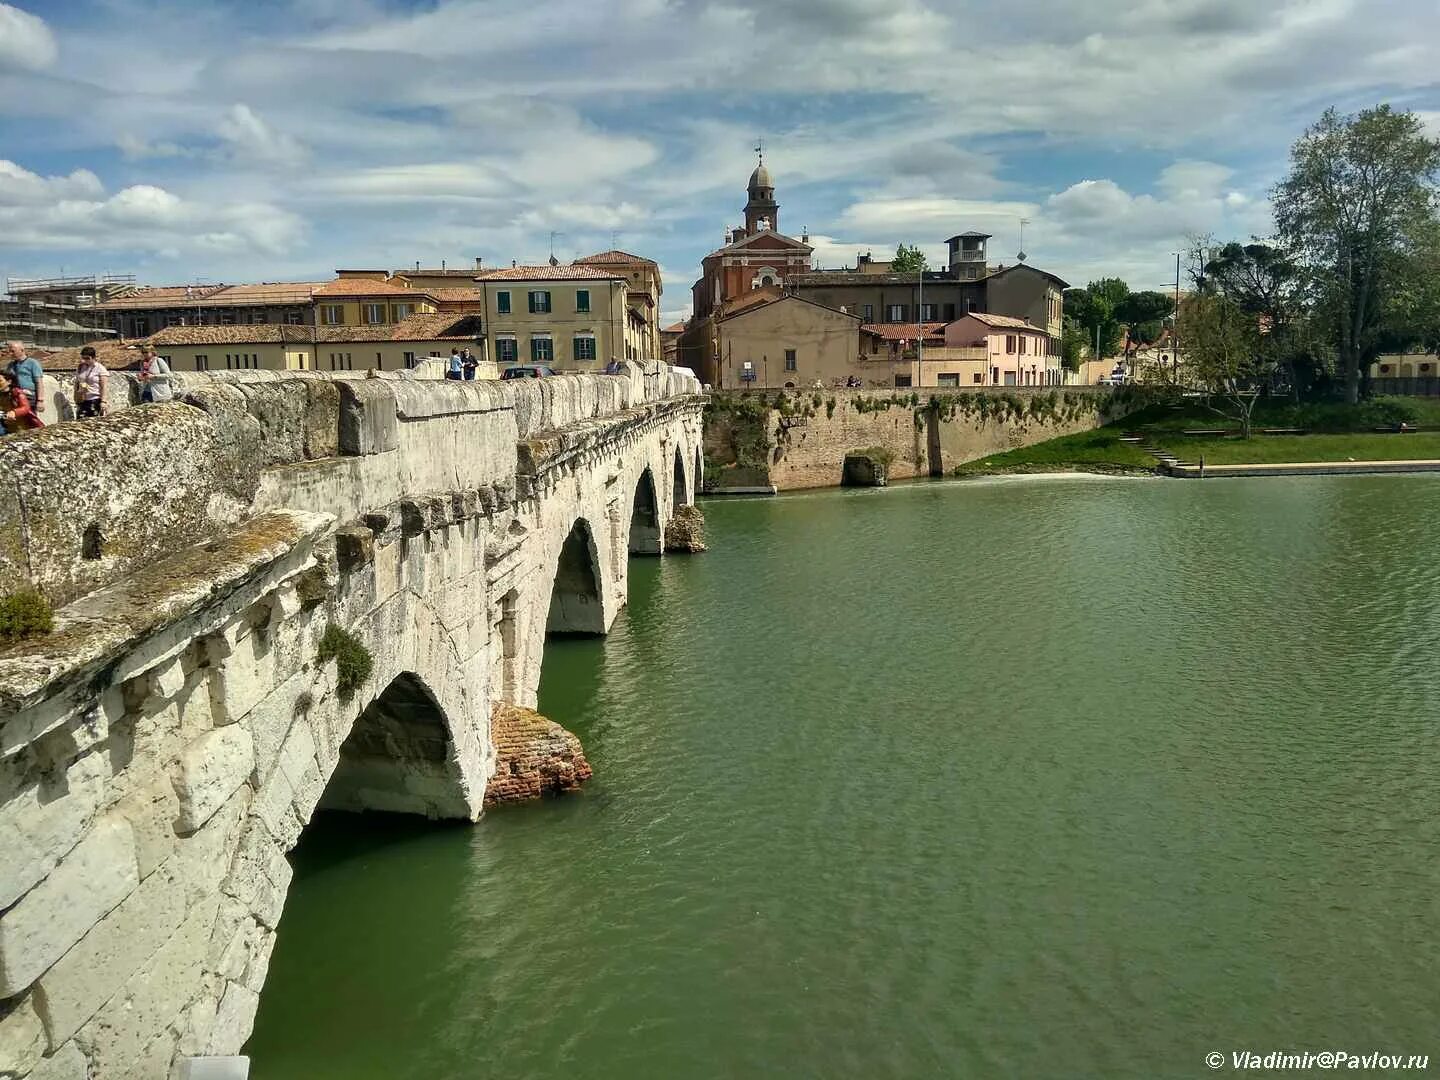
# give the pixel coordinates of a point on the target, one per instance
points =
(760, 149)
(614, 240)
(1023, 222)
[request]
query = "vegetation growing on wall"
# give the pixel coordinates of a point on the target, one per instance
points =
(353, 661)
(25, 614)
(882, 455)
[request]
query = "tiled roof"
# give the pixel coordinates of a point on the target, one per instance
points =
(563, 272)
(673, 328)
(1005, 321)
(253, 334)
(115, 355)
(745, 301)
(159, 296)
(616, 256)
(854, 277)
(270, 292)
(211, 296)
(464, 272)
(456, 295)
(364, 287)
(904, 331)
(442, 326)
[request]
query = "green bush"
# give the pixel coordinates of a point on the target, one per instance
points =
(883, 454)
(353, 661)
(24, 614)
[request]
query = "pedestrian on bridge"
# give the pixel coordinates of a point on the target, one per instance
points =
(25, 377)
(154, 377)
(91, 383)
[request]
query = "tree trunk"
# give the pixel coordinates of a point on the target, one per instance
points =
(1352, 380)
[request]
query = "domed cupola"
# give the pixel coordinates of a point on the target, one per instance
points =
(761, 205)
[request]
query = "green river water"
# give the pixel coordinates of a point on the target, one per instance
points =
(1068, 777)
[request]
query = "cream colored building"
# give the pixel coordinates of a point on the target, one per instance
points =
(368, 298)
(572, 317)
(787, 341)
(642, 297)
(321, 348)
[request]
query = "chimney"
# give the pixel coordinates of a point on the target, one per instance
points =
(478, 262)
(442, 266)
(512, 264)
(417, 266)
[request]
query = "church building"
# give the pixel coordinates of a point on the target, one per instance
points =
(755, 255)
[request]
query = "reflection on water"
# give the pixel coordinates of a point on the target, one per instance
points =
(1061, 778)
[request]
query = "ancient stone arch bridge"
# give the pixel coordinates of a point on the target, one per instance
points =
(164, 746)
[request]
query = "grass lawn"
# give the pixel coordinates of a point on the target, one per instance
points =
(1100, 451)
(1341, 433)
(1273, 448)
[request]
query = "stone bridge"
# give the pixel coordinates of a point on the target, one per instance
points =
(162, 748)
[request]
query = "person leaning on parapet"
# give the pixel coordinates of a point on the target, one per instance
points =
(456, 365)
(26, 376)
(469, 363)
(91, 382)
(154, 376)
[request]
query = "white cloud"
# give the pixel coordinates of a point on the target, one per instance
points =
(73, 212)
(26, 42)
(251, 139)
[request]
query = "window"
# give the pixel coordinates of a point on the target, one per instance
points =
(947, 378)
(542, 350)
(539, 302)
(332, 315)
(502, 303)
(584, 347)
(374, 313)
(895, 313)
(868, 313)
(979, 377)
(142, 327)
(379, 362)
(506, 351)
(259, 317)
(202, 362)
(1009, 343)
(1022, 344)
(949, 315)
(927, 312)
(789, 359)
(1425, 368)
(294, 318)
(582, 300)
(172, 320)
(409, 359)
(902, 380)
(404, 311)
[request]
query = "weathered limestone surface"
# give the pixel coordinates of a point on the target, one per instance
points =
(534, 757)
(166, 745)
(807, 451)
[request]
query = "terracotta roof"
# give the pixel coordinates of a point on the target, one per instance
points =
(856, 277)
(1005, 321)
(159, 296)
(773, 294)
(902, 331)
(442, 326)
(115, 355)
(364, 287)
(453, 294)
(253, 334)
(269, 292)
(464, 272)
(673, 328)
(563, 272)
(617, 256)
(1026, 266)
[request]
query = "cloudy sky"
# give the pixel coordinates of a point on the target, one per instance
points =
(280, 139)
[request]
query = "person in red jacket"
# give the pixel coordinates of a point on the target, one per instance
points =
(21, 415)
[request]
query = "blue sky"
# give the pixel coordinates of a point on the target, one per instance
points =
(281, 139)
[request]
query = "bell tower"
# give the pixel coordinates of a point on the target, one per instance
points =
(761, 204)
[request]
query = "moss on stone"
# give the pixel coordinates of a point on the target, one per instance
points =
(353, 661)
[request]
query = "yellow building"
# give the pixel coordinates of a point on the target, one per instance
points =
(786, 340)
(642, 297)
(368, 298)
(318, 348)
(572, 317)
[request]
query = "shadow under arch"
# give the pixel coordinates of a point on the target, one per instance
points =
(645, 533)
(399, 757)
(677, 494)
(575, 602)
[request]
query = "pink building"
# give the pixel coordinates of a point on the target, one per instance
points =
(1015, 352)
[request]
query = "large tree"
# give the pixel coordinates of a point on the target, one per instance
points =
(908, 260)
(1094, 310)
(1222, 351)
(1143, 315)
(1355, 213)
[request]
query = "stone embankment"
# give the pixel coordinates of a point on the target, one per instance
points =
(534, 757)
(799, 438)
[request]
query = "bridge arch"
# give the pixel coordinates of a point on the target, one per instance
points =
(577, 603)
(399, 757)
(678, 490)
(646, 530)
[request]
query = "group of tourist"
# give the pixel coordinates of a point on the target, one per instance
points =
(462, 365)
(22, 380)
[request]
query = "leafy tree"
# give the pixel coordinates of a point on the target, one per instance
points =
(908, 260)
(1221, 351)
(1072, 344)
(1143, 315)
(1356, 213)
(1095, 306)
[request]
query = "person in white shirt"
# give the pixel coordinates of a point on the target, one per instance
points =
(91, 382)
(154, 376)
